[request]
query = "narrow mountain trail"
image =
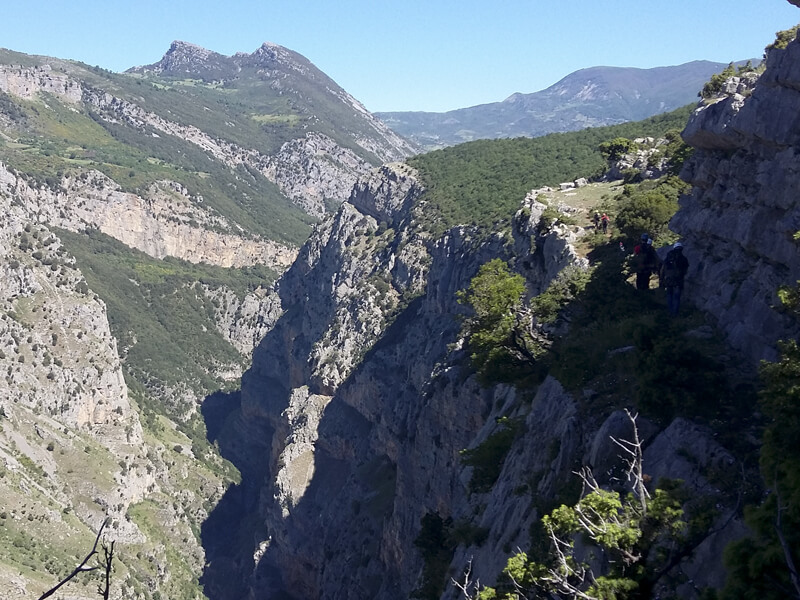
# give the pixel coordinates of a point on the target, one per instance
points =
(579, 203)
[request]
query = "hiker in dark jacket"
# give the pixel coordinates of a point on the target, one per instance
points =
(645, 262)
(673, 270)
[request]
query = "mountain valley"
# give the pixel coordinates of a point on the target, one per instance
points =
(243, 324)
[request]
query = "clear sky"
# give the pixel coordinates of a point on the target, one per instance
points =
(432, 55)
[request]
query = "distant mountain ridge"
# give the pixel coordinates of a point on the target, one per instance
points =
(591, 97)
(273, 71)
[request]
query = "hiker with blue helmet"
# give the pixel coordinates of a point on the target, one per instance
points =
(673, 270)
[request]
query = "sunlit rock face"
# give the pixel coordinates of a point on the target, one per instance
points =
(740, 219)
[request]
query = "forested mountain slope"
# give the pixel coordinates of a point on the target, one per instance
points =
(590, 97)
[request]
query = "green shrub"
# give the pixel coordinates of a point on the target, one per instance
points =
(616, 148)
(649, 207)
(782, 38)
(436, 547)
(487, 458)
(566, 287)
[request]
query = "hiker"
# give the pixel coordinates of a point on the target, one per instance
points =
(645, 262)
(596, 220)
(604, 222)
(672, 272)
(642, 242)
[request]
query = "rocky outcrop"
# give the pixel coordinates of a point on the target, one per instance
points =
(314, 172)
(244, 322)
(167, 221)
(29, 82)
(646, 160)
(739, 220)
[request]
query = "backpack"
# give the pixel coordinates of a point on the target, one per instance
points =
(671, 271)
(649, 257)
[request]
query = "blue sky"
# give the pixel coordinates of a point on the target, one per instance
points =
(432, 55)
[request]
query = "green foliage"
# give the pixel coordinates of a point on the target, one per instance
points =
(483, 182)
(672, 371)
(717, 81)
(782, 38)
(630, 541)
(437, 548)
(790, 298)
(758, 564)
(616, 148)
(649, 207)
(677, 152)
(487, 458)
(437, 541)
(714, 86)
(498, 341)
(566, 287)
(551, 216)
(163, 322)
(622, 344)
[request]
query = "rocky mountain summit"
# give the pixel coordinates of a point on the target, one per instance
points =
(287, 73)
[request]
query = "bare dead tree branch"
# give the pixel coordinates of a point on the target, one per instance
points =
(104, 589)
(469, 588)
(82, 568)
(634, 457)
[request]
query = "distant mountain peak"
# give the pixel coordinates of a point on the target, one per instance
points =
(185, 57)
(181, 57)
(270, 54)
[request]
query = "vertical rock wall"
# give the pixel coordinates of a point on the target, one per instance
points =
(358, 398)
(740, 219)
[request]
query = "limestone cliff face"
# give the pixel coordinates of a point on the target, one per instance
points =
(244, 322)
(62, 392)
(167, 221)
(360, 418)
(27, 83)
(360, 399)
(70, 337)
(740, 218)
